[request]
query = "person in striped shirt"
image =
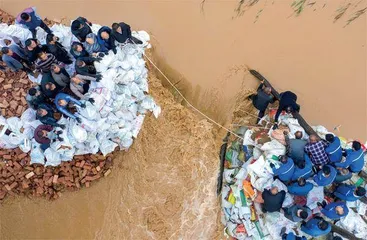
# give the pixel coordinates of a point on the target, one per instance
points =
(44, 62)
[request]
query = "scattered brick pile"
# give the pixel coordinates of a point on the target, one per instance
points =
(17, 176)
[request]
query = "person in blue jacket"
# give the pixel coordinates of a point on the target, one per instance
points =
(334, 149)
(303, 169)
(334, 210)
(343, 174)
(297, 213)
(105, 39)
(62, 100)
(300, 188)
(31, 20)
(349, 193)
(326, 176)
(291, 236)
(286, 169)
(316, 227)
(354, 158)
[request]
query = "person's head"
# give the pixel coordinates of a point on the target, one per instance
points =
(274, 190)
(7, 42)
(55, 68)
(298, 135)
(339, 210)
(283, 159)
(41, 112)
(105, 35)
(267, 90)
(289, 109)
(50, 86)
(42, 133)
(329, 137)
(89, 39)
(76, 80)
(356, 145)
(33, 92)
(313, 138)
(6, 51)
(116, 27)
(303, 214)
(323, 225)
(51, 39)
(326, 171)
(62, 102)
(80, 63)
(75, 25)
(77, 47)
(301, 181)
(25, 17)
(344, 171)
(30, 44)
(360, 191)
(42, 55)
(301, 164)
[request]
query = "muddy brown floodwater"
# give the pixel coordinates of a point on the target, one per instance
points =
(164, 187)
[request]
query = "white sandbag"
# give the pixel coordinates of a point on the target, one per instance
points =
(354, 224)
(320, 130)
(16, 31)
(259, 169)
(79, 133)
(273, 148)
(107, 147)
(90, 112)
(52, 157)
(293, 126)
(37, 155)
(274, 222)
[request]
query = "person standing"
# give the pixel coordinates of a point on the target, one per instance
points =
(262, 99)
(57, 49)
(273, 199)
(60, 75)
(296, 147)
(288, 103)
(316, 227)
(44, 62)
(35, 97)
(316, 151)
(79, 85)
(32, 48)
(297, 213)
(121, 32)
(80, 28)
(15, 59)
(31, 20)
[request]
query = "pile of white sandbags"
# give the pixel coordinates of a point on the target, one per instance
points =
(114, 119)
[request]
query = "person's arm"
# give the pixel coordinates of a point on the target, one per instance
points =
(76, 91)
(66, 112)
(14, 65)
(63, 70)
(260, 86)
(75, 101)
(287, 142)
(87, 78)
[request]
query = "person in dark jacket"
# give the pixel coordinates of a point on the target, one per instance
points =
(286, 169)
(262, 99)
(354, 158)
(302, 169)
(105, 39)
(288, 103)
(62, 101)
(273, 199)
(326, 176)
(334, 210)
(57, 49)
(349, 193)
(15, 58)
(297, 213)
(334, 149)
(343, 174)
(45, 135)
(300, 188)
(78, 51)
(316, 227)
(49, 87)
(33, 48)
(80, 28)
(296, 147)
(121, 32)
(60, 75)
(85, 68)
(45, 113)
(35, 97)
(31, 20)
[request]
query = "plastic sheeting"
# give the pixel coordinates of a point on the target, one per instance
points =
(114, 119)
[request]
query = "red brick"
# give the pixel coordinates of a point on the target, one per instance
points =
(87, 184)
(98, 168)
(2, 194)
(7, 157)
(55, 179)
(25, 184)
(82, 163)
(13, 185)
(8, 187)
(21, 156)
(7, 86)
(107, 172)
(29, 175)
(17, 165)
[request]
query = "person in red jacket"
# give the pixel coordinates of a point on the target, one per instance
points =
(45, 135)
